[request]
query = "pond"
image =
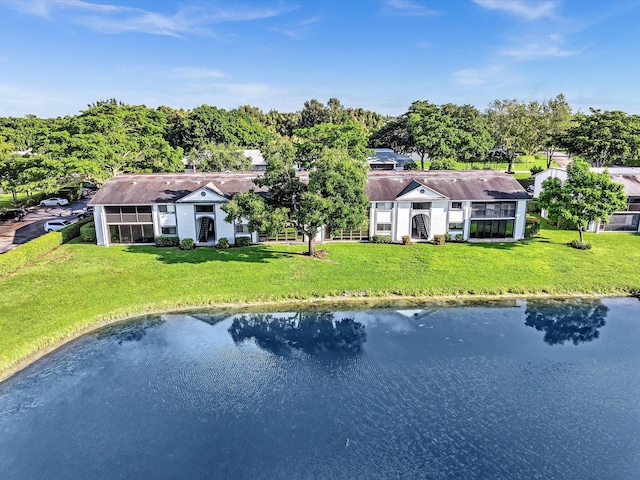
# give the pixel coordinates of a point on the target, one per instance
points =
(528, 389)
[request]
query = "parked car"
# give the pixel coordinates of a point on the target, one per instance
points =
(86, 212)
(49, 202)
(16, 214)
(53, 225)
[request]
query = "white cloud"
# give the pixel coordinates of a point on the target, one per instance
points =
(193, 72)
(496, 75)
(407, 8)
(107, 18)
(532, 51)
(530, 10)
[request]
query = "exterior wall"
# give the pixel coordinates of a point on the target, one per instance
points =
(223, 229)
(186, 220)
(542, 176)
(403, 220)
(99, 219)
(438, 218)
(521, 219)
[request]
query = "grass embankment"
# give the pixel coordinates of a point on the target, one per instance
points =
(78, 285)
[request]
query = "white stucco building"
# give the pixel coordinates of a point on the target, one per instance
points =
(478, 205)
(623, 221)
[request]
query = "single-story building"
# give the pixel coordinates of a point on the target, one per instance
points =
(623, 221)
(479, 204)
(387, 159)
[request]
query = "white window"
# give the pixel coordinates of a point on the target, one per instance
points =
(384, 205)
(383, 227)
(166, 208)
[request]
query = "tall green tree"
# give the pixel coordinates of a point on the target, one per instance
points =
(471, 139)
(109, 139)
(334, 195)
(351, 137)
(430, 132)
(603, 138)
(585, 197)
(219, 158)
(556, 120)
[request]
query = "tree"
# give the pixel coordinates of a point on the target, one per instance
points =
(334, 195)
(219, 158)
(515, 127)
(110, 139)
(584, 198)
(351, 137)
(603, 138)
(430, 132)
(576, 321)
(556, 119)
(471, 137)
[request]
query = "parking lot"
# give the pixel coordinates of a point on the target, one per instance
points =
(14, 233)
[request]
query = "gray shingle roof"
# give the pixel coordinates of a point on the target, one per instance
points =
(144, 189)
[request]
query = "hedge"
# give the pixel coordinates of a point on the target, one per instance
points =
(34, 249)
(88, 233)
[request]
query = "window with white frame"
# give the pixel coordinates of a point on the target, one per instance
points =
(384, 205)
(383, 227)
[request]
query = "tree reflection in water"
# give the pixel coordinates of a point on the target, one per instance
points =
(311, 333)
(567, 320)
(130, 331)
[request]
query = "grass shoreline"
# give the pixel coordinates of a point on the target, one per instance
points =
(303, 304)
(77, 287)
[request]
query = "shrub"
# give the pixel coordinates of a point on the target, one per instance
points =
(411, 166)
(73, 230)
(580, 245)
(163, 241)
(381, 239)
(223, 243)
(564, 224)
(533, 206)
(536, 169)
(187, 244)
(243, 241)
(88, 233)
(406, 240)
(447, 237)
(459, 237)
(438, 240)
(28, 252)
(532, 227)
(446, 164)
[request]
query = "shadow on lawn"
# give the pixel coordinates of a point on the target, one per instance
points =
(504, 245)
(173, 255)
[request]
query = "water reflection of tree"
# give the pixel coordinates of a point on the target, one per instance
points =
(130, 331)
(311, 333)
(574, 320)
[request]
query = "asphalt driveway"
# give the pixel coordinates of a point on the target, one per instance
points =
(14, 233)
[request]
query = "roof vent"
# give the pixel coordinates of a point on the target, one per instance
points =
(168, 182)
(134, 183)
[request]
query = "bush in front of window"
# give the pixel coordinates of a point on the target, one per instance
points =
(439, 239)
(447, 237)
(381, 239)
(243, 241)
(406, 240)
(187, 244)
(163, 241)
(459, 237)
(223, 243)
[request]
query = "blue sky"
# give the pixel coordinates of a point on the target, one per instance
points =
(56, 56)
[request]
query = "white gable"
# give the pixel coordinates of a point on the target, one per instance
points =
(421, 194)
(207, 194)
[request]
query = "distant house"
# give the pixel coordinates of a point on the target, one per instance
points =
(624, 221)
(387, 159)
(477, 205)
(258, 163)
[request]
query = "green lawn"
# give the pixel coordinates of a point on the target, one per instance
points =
(6, 200)
(78, 285)
(524, 162)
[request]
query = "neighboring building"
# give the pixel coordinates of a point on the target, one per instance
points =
(258, 163)
(387, 159)
(629, 178)
(475, 204)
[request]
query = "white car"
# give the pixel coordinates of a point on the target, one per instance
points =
(49, 202)
(53, 225)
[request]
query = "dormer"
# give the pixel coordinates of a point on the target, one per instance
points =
(417, 192)
(208, 193)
